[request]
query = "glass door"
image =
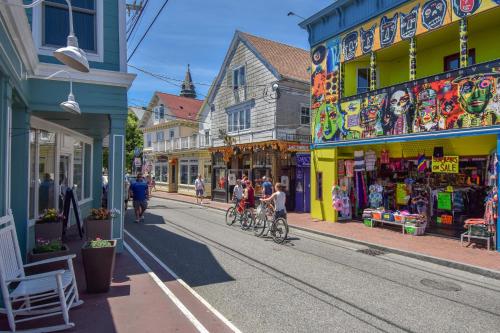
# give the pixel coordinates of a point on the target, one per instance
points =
(64, 176)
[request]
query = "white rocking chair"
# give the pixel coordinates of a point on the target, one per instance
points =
(34, 296)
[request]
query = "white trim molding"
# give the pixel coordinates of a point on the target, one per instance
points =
(122, 23)
(95, 76)
(37, 22)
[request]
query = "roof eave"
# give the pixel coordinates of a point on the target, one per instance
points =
(325, 11)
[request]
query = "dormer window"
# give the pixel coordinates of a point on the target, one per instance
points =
(159, 113)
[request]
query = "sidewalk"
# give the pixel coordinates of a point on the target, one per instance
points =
(440, 250)
(136, 302)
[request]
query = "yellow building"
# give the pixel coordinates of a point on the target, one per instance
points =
(408, 100)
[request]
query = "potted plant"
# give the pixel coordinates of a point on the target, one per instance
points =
(98, 262)
(98, 224)
(46, 249)
(49, 225)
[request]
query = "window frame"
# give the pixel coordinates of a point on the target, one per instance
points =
(302, 107)
(38, 31)
(188, 163)
(456, 56)
(235, 116)
(160, 135)
(149, 140)
(237, 76)
(358, 91)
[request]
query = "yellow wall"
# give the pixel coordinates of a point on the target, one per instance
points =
(323, 160)
(351, 76)
(486, 44)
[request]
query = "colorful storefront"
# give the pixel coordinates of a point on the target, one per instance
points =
(406, 110)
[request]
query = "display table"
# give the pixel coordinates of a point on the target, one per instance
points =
(402, 224)
(477, 229)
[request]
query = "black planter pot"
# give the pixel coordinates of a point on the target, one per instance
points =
(99, 264)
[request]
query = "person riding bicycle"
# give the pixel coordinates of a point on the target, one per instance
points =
(279, 198)
(267, 187)
(237, 193)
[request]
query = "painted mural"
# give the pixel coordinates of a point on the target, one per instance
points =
(407, 21)
(457, 100)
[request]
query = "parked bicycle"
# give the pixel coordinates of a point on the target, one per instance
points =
(277, 226)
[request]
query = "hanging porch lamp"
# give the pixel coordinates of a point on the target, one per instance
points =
(70, 55)
(71, 105)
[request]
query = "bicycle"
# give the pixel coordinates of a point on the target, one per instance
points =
(278, 227)
(238, 212)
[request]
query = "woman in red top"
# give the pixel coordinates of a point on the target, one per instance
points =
(249, 196)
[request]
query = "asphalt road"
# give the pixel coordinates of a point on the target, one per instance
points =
(312, 283)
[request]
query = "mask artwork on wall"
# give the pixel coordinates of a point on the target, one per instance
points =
(371, 110)
(433, 13)
(463, 8)
(318, 76)
(408, 23)
(367, 39)
(332, 71)
(461, 99)
(388, 29)
(350, 45)
(397, 117)
(352, 119)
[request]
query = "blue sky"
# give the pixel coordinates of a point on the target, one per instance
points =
(199, 32)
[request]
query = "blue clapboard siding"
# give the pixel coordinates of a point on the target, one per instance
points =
(342, 15)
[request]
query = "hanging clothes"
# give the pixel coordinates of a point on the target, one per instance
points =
(359, 160)
(340, 168)
(384, 157)
(349, 168)
(370, 160)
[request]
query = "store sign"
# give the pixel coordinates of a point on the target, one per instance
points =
(402, 196)
(137, 162)
(303, 160)
(298, 147)
(445, 164)
(444, 200)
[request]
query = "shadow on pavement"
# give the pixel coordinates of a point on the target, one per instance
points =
(191, 260)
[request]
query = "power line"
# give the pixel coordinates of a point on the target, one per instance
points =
(139, 17)
(147, 30)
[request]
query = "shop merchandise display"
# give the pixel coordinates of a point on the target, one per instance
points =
(405, 190)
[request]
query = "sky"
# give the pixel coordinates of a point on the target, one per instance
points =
(198, 32)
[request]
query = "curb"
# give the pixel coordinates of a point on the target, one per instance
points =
(423, 257)
(443, 262)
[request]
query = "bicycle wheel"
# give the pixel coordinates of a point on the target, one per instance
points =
(259, 225)
(247, 220)
(231, 216)
(279, 230)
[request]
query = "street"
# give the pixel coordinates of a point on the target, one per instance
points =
(312, 283)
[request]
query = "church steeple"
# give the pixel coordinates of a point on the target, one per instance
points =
(188, 89)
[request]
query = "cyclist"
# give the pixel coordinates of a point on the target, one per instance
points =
(238, 193)
(279, 198)
(249, 196)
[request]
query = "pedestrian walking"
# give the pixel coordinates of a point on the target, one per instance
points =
(139, 190)
(153, 184)
(199, 186)
(267, 187)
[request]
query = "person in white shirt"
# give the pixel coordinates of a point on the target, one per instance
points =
(238, 191)
(199, 186)
(279, 198)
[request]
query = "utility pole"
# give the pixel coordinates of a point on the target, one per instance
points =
(134, 6)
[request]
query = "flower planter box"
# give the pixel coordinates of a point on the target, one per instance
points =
(33, 257)
(48, 230)
(97, 229)
(99, 264)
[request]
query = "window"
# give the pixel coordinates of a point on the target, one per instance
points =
(78, 169)
(239, 77)
(159, 136)
(189, 171)
(159, 112)
(305, 115)
(207, 137)
(238, 120)
(452, 61)
(148, 140)
(33, 180)
(172, 134)
(46, 171)
(55, 23)
(363, 80)
(319, 186)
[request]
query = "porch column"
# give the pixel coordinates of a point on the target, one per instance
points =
(413, 59)
(116, 174)
(97, 172)
(5, 118)
(464, 41)
(373, 71)
(19, 152)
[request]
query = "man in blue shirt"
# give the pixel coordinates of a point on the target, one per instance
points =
(139, 190)
(267, 187)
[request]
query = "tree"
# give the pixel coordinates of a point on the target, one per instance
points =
(134, 139)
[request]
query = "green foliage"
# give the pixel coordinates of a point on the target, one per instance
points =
(50, 216)
(134, 138)
(99, 243)
(43, 246)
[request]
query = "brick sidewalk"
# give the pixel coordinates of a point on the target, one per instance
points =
(428, 245)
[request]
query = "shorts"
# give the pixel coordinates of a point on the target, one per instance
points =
(199, 193)
(249, 205)
(140, 203)
(280, 213)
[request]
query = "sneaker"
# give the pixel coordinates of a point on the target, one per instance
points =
(142, 218)
(136, 221)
